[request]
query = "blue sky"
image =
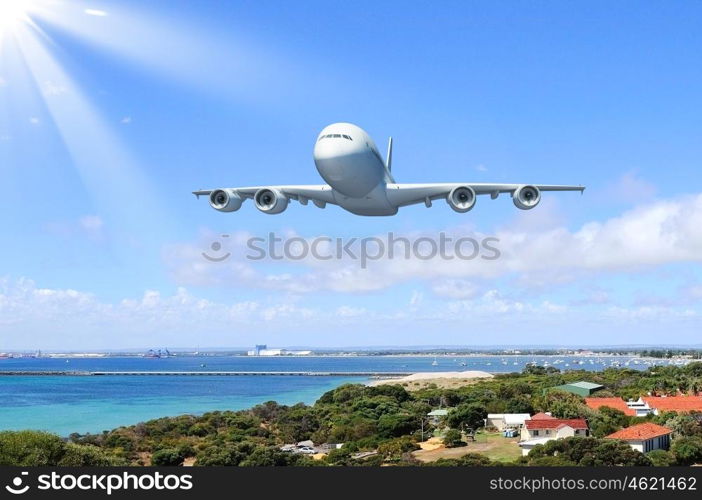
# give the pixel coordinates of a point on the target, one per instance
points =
(112, 112)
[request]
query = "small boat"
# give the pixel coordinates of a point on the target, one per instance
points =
(435, 362)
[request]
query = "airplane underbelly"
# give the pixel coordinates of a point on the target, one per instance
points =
(373, 203)
(353, 175)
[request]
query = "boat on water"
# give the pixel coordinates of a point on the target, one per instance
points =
(151, 353)
(435, 362)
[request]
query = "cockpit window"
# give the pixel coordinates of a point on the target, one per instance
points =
(335, 136)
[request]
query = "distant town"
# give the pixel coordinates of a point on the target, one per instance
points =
(265, 350)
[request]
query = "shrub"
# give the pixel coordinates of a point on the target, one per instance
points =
(453, 438)
(30, 448)
(168, 457)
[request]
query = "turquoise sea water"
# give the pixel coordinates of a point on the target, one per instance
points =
(65, 404)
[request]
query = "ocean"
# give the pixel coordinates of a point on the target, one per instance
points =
(66, 404)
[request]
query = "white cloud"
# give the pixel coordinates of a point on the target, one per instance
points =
(91, 223)
(350, 312)
(481, 168)
(34, 120)
(596, 296)
(95, 12)
(692, 293)
(126, 120)
(632, 188)
(416, 299)
(32, 317)
(50, 88)
(638, 240)
(455, 288)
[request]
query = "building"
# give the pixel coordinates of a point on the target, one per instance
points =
(638, 408)
(680, 404)
(583, 389)
(649, 404)
(262, 350)
(644, 437)
(542, 430)
(542, 416)
(435, 416)
(502, 421)
(257, 350)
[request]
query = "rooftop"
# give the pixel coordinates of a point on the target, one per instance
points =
(640, 432)
(674, 403)
(556, 423)
(535, 441)
(542, 416)
(616, 403)
(586, 385)
(438, 413)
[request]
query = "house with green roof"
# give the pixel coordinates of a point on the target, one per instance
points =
(582, 388)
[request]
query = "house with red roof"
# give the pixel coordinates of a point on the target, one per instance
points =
(644, 437)
(615, 403)
(680, 404)
(542, 430)
(649, 404)
(542, 416)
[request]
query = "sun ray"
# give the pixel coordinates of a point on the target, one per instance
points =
(108, 171)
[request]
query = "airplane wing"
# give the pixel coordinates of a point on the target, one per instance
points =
(461, 197)
(271, 199)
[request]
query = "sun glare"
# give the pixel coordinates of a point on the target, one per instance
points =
(12, 13)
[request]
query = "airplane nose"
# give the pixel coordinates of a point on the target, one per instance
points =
(334, 148)
(347, 165)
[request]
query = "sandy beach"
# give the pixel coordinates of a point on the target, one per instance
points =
(440, 379)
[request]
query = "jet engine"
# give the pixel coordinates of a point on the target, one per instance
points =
(526, 197)
(270, 201)
(225, 200)
(461, 198)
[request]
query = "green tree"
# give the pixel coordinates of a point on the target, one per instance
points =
(606, 420)
(395, 448)
(85, 455)
(661, 458)
(396, 425)
(453, 438)
(30, 448)
(589, 452)
(687, 450)
(467, 415)
(563, 404)
(168, 457)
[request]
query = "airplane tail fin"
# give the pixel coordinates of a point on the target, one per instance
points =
(388, 161)
(388, 164)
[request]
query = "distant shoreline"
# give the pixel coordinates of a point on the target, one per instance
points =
(79, 355)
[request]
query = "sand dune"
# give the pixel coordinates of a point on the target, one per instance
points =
(435, 377)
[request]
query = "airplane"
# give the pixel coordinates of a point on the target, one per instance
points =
(361, 182)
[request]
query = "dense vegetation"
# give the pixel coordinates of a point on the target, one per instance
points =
(386, 420)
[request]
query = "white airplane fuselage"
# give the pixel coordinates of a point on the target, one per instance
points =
(349, 161)
(361, 182)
